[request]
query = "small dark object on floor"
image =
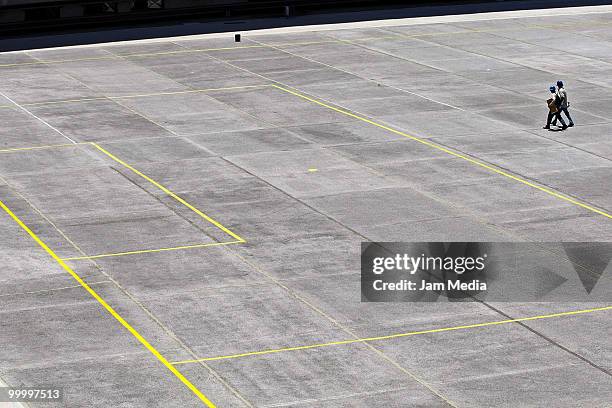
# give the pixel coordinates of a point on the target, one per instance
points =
(237, 37)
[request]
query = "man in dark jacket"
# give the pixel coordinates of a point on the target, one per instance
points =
(553, 103)
(564, 104)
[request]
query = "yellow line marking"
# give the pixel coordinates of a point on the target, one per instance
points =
(192, 50)
(452, 153)
(393, 336)
(148, 251)
(313, 170)
(45, 62)
(45, 103)
(171, 194)
(52, 289)
(228, 88)
(20, 149)
(110, 310)
(103, 98)
(117, 56)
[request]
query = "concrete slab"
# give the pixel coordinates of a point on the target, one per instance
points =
(558, 159)
(23, 260)
(227, 319)
(124, 379)
(251, 141)
(542, 224)
(434, 170)
(136, 233)
(338, 372)
(187, 114)
(575, 332)
(487, 198)
(41, 83)
(396, 105)
(100, 120)
(534, 116)
(325, 78)
(446, 123)
(576, 180)
(48, 160)
(73, 328)
(491, 359)
(277, 218)
(310, 256)
(600, 108)
(20, 129)
(127, 49)
(257, 103)
(68, 54)
(404, 202)
(214, 179)
(464, 229)
(515, 141)
(151, 150)
(400, 150)
(195, 70)
(113, 77)
(174, 273)
(311, 173)
(99, 192)
(331, 134)
(39, 223)
(603, 149)
(339, 296)
(272, 65)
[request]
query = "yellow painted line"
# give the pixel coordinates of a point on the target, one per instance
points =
(171, 194)
(118, 56)
(45, 103)
(188, 51)
(148, 251)
(110, 310)
(20, 149)
(52, 289)
(228, 88)
(395, 336)
(452, 153)
(313, 170)
(46, 62)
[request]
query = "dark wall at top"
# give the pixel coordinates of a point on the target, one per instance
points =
(26, 24)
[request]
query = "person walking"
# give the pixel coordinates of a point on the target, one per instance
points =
(553, 103)
(564, 104)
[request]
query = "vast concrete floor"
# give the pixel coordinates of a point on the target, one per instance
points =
(269, 140)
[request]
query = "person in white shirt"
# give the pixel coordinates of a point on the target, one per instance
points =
(564, 104)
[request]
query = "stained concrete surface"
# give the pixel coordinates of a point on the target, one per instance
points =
(303, 185)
